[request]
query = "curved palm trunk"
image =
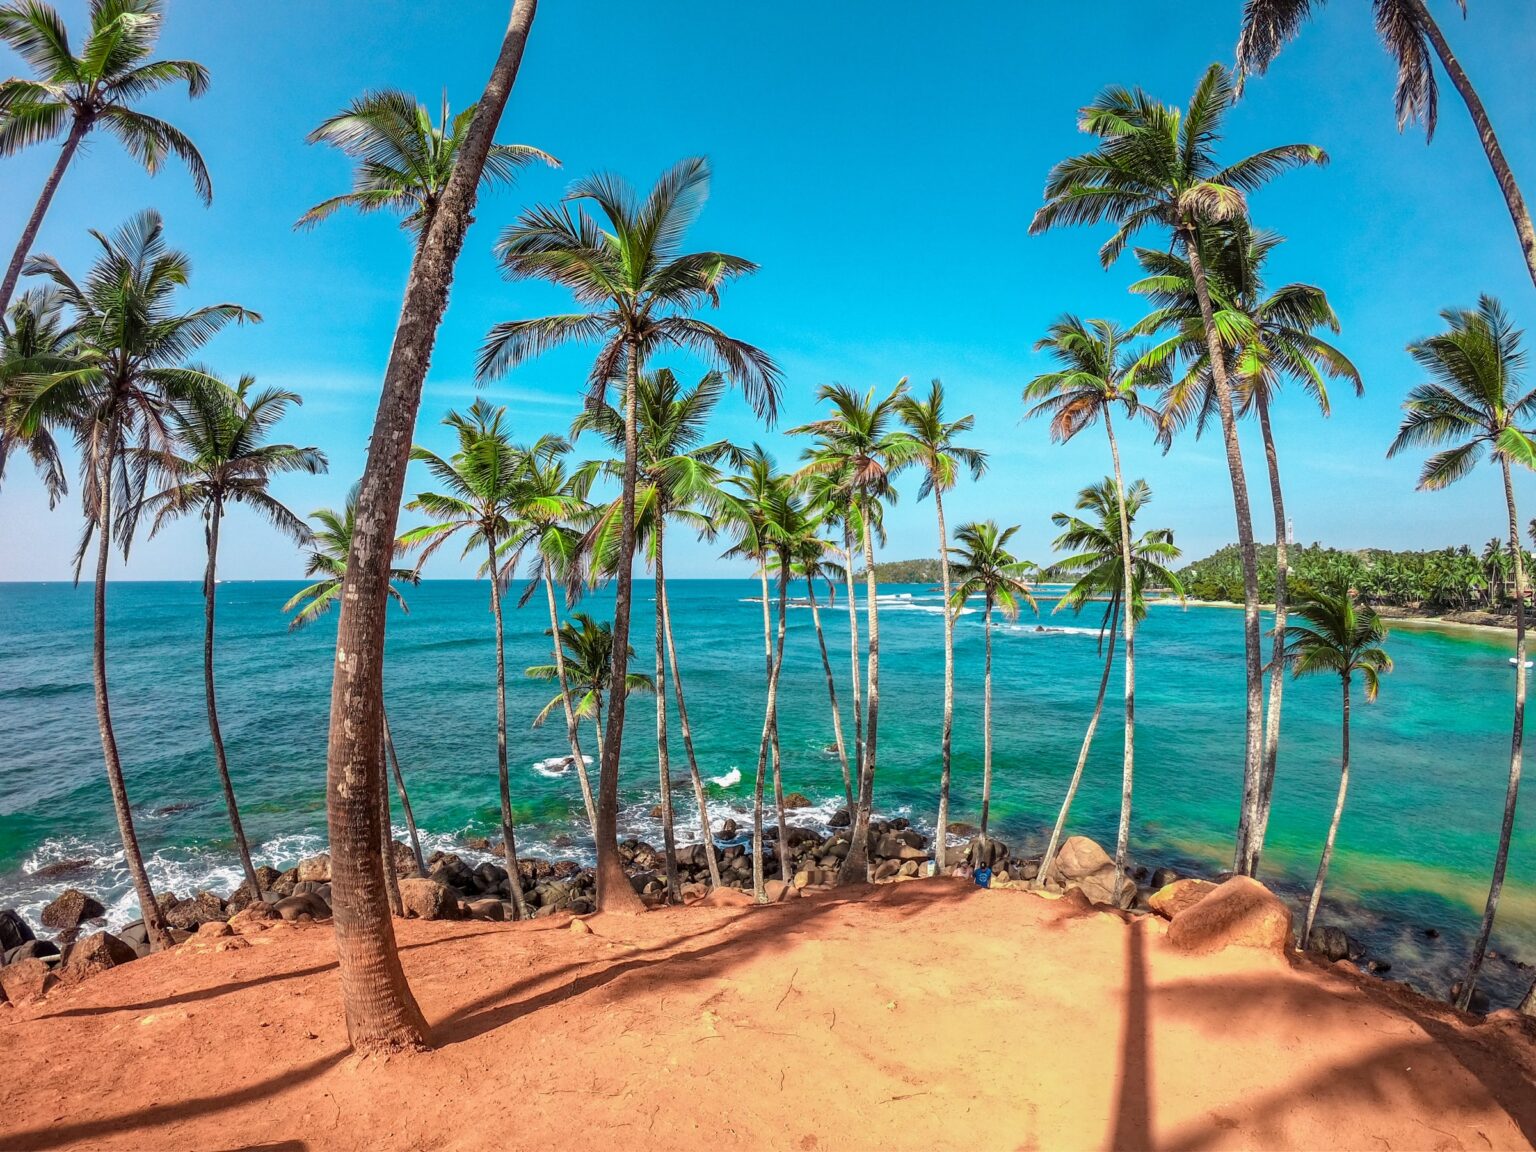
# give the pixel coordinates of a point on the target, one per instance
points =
(1516, 748)
(1128, 620)
(614, 891)
(856, 863)
(986, 728)
(826, 664)
(853, 656)
(67, 152)
(663, 605)
(503, 777)
(769, 715)
(154, 923)
(405, 799)
(210, 583)
(1333, 830)
(1519, 214)
(572, 729)
(778, 768)
(1277, 662)
(380, 1010)
(1082, 756)
(387, 843)
(778, 763)
(941, 828)
(663, 758)
(1252, 657)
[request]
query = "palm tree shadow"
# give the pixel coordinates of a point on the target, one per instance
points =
(1133, 1107)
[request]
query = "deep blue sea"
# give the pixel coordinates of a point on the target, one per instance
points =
(1429, 758)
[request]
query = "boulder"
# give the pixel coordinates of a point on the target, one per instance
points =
(71, 909)
(96, 953)
(215, 928)
(189, 914)
(1100, 888)
(694, 892)
(778, 891)
(59, 869)
(254, 917)
(31, 950)
(426, 899)
(986, 852)
(1330, 941)
(961, 828)
(1174, 897)
(1479, 1002)
(25, 981)
(1162, 877)
(796, 800)
(14, 931)
(885, 870)
(315, 869)
(487, 910)
(1240, 913)
(303, 904)
(840, 819)
(1079, 857)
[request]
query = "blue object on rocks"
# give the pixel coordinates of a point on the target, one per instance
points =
(983, 877)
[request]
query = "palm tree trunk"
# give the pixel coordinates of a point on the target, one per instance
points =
(1516, 747)
(663, 605)
(67, 152)
(614, 891)
(387, 843)
(663, 759)
(826, 664)
(1252, 657)
(210, 583)
(778, 764)
(1082, 756)
(381, 1013)
(405, 799)
(1518, 212)
(1128, 621)
(941, 827)
(856, 863)
(986, 728)
(503, 777)
(1277, 676)
(768, 663)
(572, 729)
(769, 714)
(1333, 831)
(154, 923)
(853, 655)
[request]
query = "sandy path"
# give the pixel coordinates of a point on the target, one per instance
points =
(924, 1015)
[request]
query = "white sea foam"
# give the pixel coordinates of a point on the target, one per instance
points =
(729, 780)
(557, 766)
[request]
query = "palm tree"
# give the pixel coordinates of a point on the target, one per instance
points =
(984, 567)
(381, 1012)
(219, 456)
(812, 565)
(643, 293)
(1342, 636)
(1408, 32)
(1496, 563)
(1156, 165)
(1096, 373)
(942, 460)
(35, 340)
(1097, 556)
(1269, 336)
(680, 479)
(588, 658)
(126, 364)
(479, 492)
(331, 544)
(1474, 402)
(861, 446)
(404, 161)
(72, 95)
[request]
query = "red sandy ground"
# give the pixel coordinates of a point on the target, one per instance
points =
(923, 1015)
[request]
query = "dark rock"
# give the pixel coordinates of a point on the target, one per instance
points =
(304, 904)
(1029, 869)
(191, 914)
(961, 828)
(134, 934)
(14, 931)
(989, 852)
(1140, 873)
(1330, 941)
(1162, 877)
(477, 844)
(729, 829)
(840, 819)
(796, 800)
(59, 869)
(31, 950)
(72, 909)
(1432, 933)
(1479, 1003)
(243, 895)
(96, 953)
(1379, 967)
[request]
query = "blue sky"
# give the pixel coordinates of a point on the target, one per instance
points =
(881, 165)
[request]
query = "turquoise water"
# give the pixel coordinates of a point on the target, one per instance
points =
(1430, 758)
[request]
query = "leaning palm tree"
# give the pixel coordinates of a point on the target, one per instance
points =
(812, 564)
(34, 341)
(1156, 166)
(942, 459)
(219, 456)
(1473, 401)
(984, 567)
(126, 364)
(1268, 337)
(1097, 557)
(1409, 33)
(330, 545)
(404, 160)
(642, 292)
(73, 95)
(480, 483)
(862, 446)
(1342, 636)
(587, 646)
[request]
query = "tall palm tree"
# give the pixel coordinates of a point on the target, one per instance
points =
(1409, 32)
(73, 95)
(862, 446)
(219, 456)
(1496, 566)
(1268, 337)
(35, 340)
(812, 565)
(1342, 636)
(642, 292)
(330, 545)
(126, 363)
(381, 1012)
(1156, 165)
(1474, 402)
(1096, 369)
(1097, 556)
(404, 160)
(942, 459)
(679, 478)
(587, 645)
(479, 483)
(984, 567)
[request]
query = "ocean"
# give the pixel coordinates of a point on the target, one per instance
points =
(1429, 762)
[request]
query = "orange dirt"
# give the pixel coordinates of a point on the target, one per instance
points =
(923, 1015)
